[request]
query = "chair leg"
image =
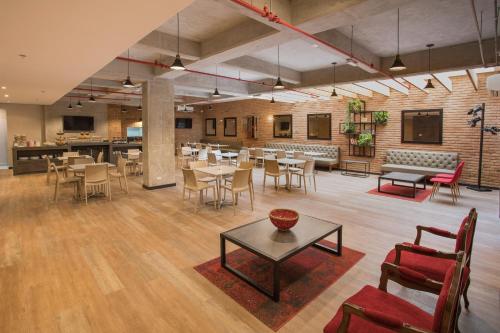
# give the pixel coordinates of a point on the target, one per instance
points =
(459, 311)
(466, 298)
(251, 198)
(215, 197)
(85, 192)
(305, 185)
(108, 185)
(184, 193)
(48, 176)
(264, 186)
(56, 190)
(314, 179)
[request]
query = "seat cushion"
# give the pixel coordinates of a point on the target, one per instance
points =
(433, 268)
(414, 169)
(373, 300)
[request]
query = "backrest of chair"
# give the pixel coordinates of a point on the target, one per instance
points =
(100, 157)
(465, 234)
(121, 165)
(70, 153)
(96, 172)
(209, 149)
(140, 157)
(52, 166)
(198, 164)
(186, 151)
(241, 178)
(48, 163)
(189, 178)
(202, 154)
(212, 159)
(259, 152)
(447, 303)
(271, 166)
(198, 146)
(133, 151)
(280, 154)
(459, 169)
(246, 165)
(309, 167)
(242, 156)
(80, 160)
(298, 154)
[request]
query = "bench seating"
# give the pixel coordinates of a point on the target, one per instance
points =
(421, 162)
(330, 160)
(234, 146)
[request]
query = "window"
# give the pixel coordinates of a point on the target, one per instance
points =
(282, 126)
(319, 126)
(422, 126)
(229, 126)
(210, 127)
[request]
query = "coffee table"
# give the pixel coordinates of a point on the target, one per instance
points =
(264, 240)
(401, 177)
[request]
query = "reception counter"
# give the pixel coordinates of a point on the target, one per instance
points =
(31, 159)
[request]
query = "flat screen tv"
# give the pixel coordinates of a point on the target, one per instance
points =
(183, 123)
(78, 124)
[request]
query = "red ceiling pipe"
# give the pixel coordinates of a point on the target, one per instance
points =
(274, 18)
(157, 64)
(108, 91)
(85, 97)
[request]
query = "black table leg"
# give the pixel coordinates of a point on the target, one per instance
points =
(414, 190)
(338, 250)
(378, 187)
(222, 251)
(276, 282)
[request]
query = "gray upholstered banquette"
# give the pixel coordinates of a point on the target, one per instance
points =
(330, 159)
(420, 161)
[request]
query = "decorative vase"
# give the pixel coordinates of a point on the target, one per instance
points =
(284, 219)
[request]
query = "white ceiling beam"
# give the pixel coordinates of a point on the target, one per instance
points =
(166, 44)
(356, 89)
(444, 80)
(258, 66)
(376, 87)
(471, 73)
(393, 84)
(416, 81)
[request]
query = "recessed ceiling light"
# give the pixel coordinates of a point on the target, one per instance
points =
(4, 87)
(314, 45)
(5, 95)
(22, 55)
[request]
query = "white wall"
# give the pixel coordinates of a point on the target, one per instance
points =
(4, 160)
(54, 115)
(23, 119)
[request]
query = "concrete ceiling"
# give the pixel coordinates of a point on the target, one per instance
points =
(65, 42)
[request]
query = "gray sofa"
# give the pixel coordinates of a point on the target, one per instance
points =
(422, 162)
(330, 160)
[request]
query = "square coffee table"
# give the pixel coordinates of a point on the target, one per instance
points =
(263, 239)
(402, 177)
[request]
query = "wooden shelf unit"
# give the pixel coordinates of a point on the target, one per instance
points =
(361, 126)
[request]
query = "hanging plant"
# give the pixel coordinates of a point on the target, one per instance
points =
(355, 105)
(348, 127)
(381, 117)
(365, 139)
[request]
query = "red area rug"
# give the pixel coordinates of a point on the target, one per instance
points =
(303, 278)
(421, 194)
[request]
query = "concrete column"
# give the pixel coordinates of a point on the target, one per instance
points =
(158, 134)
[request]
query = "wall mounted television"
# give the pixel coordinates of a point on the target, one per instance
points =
(78, 124)
(183, 123)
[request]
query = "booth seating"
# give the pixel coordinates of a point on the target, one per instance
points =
(331, 158)
(429, 163)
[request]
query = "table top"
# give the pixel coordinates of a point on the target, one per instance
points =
(65, 158)
(269, 150)
(218, 170)
(229, 154)
(356, 161)
(264, 238)
(81, 167)
(402, 176)
(290, 161)
(217, 145)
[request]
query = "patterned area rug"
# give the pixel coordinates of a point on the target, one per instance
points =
(303, 278)
(421, 194)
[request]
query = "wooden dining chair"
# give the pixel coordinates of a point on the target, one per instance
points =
(239, 184)
(272, 169)
(249, 165)
(280, 154)
(259, 156)
(97, 175)
(192, 184)
(212, 159)
(305, 173)
(100, 157)
(121, 173)
(75, 181)
(62, 168)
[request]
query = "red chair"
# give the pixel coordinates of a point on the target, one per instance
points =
(373, 310)
(450, 180)
(459, 169)
(430, 263)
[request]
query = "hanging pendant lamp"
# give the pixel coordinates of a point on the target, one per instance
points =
(351, 61)
(139, 108)
(272, 96)
(70, 106)
(398, 63)
(216, 91)
(279, 84)
(92, 98)
(334, 93)
(79, 104)
(177, 65)
(429, 84)
(128, 83)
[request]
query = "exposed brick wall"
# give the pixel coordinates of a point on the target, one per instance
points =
(118, 121)
(457, 136)
(194, 134)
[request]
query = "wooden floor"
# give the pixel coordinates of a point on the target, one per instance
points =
(127, 265)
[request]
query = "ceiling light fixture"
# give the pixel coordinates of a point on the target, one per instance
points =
(3, 87)
(279, 84)
(177, 65)
(79, 104)
(139, 108)
(334, 93)
(272, 96)
(128, 83)
(216, 91)
(6, 95)
(70, 106)
(398, 63)
(92, 98)
(351, 61)
(429, 84)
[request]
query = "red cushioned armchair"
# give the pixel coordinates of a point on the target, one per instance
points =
(372, 310)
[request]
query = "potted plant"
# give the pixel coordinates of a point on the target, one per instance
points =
(365, 139)
(348, 127)
(381, 117)
(355, 105)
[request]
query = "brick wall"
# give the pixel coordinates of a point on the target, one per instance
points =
(457, 136)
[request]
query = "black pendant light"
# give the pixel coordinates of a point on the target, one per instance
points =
(210, 106)
(92, 98)
(429, 84)
(279, 84)
(350, 61)
(128, 83)
(216, 91)
(272, 97)
(334, 93)
(123, 109)
(139, 108)
(70, 106)
(79, 104)
(177, 65)
(398, 63)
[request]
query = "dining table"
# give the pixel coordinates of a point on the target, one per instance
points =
(289, 162)
(81, 167)
(219, 172)
(229, 155)
(65, 158)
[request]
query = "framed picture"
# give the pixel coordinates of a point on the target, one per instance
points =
(422, 126)
(319, 126)
(282, 126)
(230, 126)
(210, 127)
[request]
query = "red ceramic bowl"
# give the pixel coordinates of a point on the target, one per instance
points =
(283, 219)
